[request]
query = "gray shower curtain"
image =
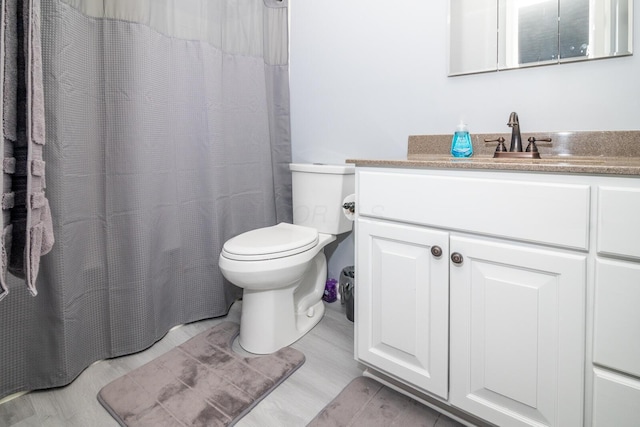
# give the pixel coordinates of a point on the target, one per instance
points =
(167, 132)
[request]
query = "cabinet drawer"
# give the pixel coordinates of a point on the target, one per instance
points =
(617, 317)
(544, 212)
(618, 221)
(615, 400)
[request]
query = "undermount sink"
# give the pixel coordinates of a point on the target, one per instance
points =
(544, 160)
(556, 160)
(569, 160)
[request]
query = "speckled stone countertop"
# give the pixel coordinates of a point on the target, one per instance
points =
(593, 153)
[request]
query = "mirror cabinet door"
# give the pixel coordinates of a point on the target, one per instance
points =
(609, 28)
(473, 40)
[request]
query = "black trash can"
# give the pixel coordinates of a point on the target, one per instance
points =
(346, 290)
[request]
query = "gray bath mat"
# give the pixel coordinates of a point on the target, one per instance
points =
(367, 403)
(202, 382)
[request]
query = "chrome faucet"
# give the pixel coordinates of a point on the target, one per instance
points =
(516, 139)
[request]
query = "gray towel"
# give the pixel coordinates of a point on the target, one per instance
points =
(8, 72)
(27, 229)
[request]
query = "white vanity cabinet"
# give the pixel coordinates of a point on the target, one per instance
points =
(500, 313)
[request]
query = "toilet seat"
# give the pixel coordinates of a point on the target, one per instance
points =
(266, 243)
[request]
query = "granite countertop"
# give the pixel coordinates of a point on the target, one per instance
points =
(598, 166)
(599, 153)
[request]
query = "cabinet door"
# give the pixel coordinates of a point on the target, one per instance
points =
(517, 333)
(402, 302)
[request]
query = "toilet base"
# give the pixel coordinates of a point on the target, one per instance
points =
(269, 322)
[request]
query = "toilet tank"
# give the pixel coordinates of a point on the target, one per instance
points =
(318, 194)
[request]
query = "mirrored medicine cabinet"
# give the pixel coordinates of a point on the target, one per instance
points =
(493, 35)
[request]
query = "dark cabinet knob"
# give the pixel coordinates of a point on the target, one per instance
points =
(436, 251)
(456, 258)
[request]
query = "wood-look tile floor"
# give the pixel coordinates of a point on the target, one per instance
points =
(328, 368)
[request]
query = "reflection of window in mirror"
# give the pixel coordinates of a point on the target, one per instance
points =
(537, 23)
(574, 29)
(542, 36)
(529, 33)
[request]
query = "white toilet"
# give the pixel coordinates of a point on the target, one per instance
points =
(282, 268)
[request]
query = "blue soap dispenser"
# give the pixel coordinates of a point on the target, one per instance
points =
(461, 142)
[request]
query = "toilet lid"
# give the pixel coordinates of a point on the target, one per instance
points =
(265, 243)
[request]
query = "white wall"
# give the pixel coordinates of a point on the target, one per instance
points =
(366, 74)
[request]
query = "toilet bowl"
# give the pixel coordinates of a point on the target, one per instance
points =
(282, 297)
(283, 269)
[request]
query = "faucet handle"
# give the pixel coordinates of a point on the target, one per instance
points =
(501, 148)
(532, 147)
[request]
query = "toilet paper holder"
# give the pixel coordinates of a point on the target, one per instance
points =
(349, 206)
